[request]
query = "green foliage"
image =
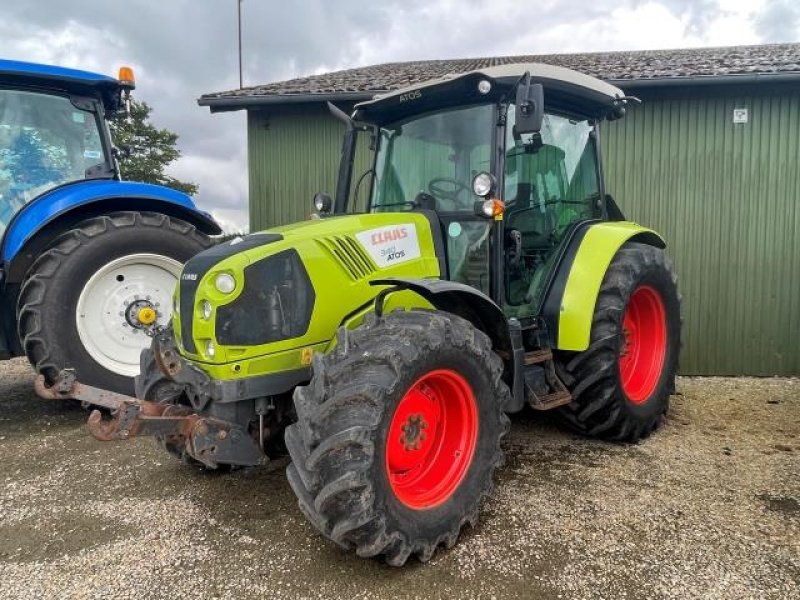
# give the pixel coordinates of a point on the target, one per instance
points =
(150, 150)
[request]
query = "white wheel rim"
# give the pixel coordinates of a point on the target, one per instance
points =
(118, 287)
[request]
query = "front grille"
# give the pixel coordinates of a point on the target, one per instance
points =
(349, 253)
(275, 304)
(195, 269)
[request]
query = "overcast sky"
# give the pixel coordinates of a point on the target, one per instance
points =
(181, 49)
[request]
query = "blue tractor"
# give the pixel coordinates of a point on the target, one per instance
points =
(88, 262)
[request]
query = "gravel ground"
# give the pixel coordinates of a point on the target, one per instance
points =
(709, 507)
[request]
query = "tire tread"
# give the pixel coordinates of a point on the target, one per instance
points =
(33, 292)
(596, 408)
(332, 444)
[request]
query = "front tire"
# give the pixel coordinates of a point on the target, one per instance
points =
(81, 299)
(398, 434)
(621, 383)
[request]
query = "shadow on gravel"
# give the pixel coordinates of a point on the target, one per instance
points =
(785, 505)
(20, 407)
(54, 537)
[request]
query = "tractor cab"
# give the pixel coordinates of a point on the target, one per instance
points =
(507, 160)
(53, 130)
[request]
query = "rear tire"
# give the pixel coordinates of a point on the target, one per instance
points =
(47, 309)
(621, 384)
(398, 434)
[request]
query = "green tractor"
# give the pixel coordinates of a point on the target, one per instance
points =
(385, 348)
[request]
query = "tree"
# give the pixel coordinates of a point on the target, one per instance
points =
(147, 151)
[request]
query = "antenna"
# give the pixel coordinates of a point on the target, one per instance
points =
(239, 6)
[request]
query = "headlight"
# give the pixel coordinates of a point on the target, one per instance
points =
(206, 309)
(484, 87)
(225, 283)
(210, 350)
(483, 184)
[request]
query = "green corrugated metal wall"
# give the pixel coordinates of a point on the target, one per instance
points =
(292, 155)
(724, 195)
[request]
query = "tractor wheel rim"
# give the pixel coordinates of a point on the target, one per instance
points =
(432, 439)
(106, 315)
(644, 347)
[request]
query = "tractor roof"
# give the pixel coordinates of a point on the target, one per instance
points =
(565, 90)
(72, 81)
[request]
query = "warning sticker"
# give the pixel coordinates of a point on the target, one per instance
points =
(391, 245)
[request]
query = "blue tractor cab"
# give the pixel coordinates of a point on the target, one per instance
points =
(88, 262)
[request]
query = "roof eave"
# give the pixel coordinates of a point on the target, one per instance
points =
(694, 80)
(232, 103)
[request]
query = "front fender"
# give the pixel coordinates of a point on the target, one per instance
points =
(583, 276)
(462, 300)
(86, 195)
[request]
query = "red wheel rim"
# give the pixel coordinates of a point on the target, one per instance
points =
(641, 358)
(432, 439)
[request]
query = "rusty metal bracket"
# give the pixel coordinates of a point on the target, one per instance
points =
(130, 416)
(166, 353)
(68, 387)
(207, 439)
(213, 441)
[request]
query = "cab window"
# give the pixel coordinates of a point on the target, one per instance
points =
(551, 182)
(45, 141)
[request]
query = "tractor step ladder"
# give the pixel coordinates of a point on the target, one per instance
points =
(559, 394)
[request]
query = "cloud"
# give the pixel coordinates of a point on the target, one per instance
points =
(779, 20)
(181, 49)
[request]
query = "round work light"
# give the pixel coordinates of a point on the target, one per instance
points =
(483, 184)
(225, 283)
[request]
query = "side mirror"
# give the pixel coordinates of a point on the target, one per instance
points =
(530, 106)
(323, 203)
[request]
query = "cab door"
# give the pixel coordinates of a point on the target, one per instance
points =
(551, 183)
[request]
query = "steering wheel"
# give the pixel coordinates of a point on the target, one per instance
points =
(438, 188)
(537, 228)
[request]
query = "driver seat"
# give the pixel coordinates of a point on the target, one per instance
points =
(534, 224)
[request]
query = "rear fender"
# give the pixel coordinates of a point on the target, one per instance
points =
(49, 215)
(69, 204)
(568, 308)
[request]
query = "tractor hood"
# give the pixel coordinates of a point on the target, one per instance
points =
(284, 292)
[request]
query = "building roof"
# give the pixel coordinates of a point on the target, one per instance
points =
(628, 69)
